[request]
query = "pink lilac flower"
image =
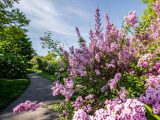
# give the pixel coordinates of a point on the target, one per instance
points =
(98, 24)
(90, 96)
(27, 106)
(118, 76)
(88, 108)
(144, 64)
(123, 94)
(112, 84)
(152, 93)
(57, 86)
(157, 7)
(78, 33)
(114, 46)
(69, 83)
(132, 109)
(66, 90)
(67, 93)
(101, 114)
(81, 115)
(98, 56)
(144, 60)
(78, 103)
(131, 19)
(97, 72)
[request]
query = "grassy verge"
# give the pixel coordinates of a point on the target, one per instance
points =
(10, 89)
(43, 74)
(47, 75)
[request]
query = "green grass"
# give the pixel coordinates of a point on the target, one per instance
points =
(11, 89)
(43, 74)
(47, 75)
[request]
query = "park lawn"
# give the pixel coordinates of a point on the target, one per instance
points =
(10, 90)
(47, 75)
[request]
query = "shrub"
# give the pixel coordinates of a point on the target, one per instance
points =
(12, 66)
(115, 75)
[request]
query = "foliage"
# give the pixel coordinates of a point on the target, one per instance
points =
(151, 116)
(15, 41)
(46, 64)
(149, 15)
(12, 66)
(11, 16)
(50, 77)
(49, 43)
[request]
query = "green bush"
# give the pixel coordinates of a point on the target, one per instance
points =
(46, 64)
(51, 68)
(12, 66)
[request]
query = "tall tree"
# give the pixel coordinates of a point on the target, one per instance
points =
(13, 37)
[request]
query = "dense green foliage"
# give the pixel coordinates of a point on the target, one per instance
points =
(12, 66)
(15, 47)
(14, 41)
(49, 43)
(148, 16)
(46, 64)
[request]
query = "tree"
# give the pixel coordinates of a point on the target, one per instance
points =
(13, 37)
(49, 43)
(10, 16)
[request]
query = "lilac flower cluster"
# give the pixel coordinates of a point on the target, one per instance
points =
(157, 7)
(131, 19)
(151, 95)
(83, 60)
(123, 94)
(108, 55)
(84, 104)
(26, 106)
(78, 103)
(153, 31)
(66, 90)
(132, 109)
(81, 115)
(113, 82)
(144, 60)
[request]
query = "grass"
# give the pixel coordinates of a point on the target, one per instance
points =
(47, 75)
(11, 89)
(43, 74)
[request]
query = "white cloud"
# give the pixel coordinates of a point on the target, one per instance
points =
(45, 15)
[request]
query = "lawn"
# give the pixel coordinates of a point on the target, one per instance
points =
(43, 74)
(47, 75)
(10, 89)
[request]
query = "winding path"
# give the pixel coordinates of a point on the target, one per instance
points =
(39, 90)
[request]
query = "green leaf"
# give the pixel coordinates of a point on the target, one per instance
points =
(151, 112)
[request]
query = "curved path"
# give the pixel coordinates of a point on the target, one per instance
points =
(39, 90)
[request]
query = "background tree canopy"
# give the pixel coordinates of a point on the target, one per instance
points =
(15, 46)
(13, 37)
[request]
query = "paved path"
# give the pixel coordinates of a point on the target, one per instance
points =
(39, 90)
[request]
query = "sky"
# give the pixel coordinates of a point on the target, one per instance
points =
(62, 16)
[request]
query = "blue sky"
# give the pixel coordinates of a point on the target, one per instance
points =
(62, 16)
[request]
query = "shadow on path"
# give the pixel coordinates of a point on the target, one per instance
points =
(39, 90)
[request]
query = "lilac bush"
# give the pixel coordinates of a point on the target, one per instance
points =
(114, 75)
(27, 106)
